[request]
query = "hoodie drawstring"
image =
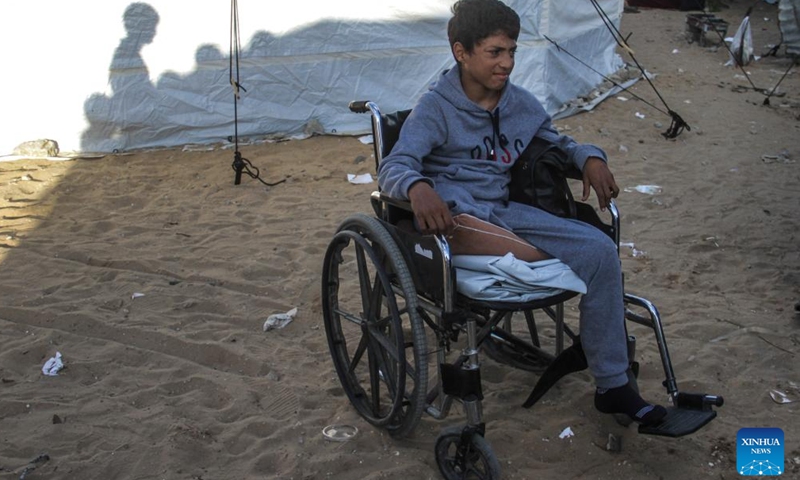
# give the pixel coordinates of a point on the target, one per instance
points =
(495, 117)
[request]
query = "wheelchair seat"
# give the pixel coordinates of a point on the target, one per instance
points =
(384, 285)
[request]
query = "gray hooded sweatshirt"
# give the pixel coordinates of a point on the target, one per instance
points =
(464, 151)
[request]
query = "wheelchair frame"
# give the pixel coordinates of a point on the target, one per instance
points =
(406, 266)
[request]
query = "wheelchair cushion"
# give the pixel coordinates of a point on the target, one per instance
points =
(507, 279)
(474, 236)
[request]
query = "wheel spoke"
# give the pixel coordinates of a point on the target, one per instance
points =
(374, 380)
(384, 343)
(472, 467)
(363, 279)
(380, 342)
(362, 345)
(385, 320)
(348, 316)
(387, 371)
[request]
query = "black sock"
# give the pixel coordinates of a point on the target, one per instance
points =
(625, 400)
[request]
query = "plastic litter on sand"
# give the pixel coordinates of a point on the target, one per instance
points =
(339, 433)
(279, 320)
(53, 365)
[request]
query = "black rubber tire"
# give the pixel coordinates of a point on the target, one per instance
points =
(481, 464)
(375, 334)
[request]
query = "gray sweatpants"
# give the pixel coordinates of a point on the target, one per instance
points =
(592, 255)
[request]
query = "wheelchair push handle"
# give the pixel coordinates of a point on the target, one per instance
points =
(366, 106)
(359, 106)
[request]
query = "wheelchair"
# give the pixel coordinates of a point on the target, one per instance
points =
(386, 289)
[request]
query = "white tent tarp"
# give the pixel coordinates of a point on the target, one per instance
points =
(789, 19)
(116, 75)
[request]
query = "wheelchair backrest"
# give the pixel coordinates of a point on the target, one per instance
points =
(391, 124)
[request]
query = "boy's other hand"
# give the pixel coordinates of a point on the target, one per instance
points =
(432, 214)
(597, 175)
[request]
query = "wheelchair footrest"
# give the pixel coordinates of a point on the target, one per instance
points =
(680, 422)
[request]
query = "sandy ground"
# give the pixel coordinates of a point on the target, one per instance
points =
(182, 382)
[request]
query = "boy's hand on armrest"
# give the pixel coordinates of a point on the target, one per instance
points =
(597, 175)
(432, 214)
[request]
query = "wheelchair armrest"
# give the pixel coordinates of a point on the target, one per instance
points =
(404, 204)
(428, 256)
(390, 209)
(587, 214)
(614, 211)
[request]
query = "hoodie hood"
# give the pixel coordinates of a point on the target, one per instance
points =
(449, 87)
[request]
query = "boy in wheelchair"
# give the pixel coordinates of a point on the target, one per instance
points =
(454, 156)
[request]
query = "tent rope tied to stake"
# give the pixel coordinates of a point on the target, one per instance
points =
(678, 124)
(240, 164)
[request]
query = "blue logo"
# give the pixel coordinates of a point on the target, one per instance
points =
(759, 451)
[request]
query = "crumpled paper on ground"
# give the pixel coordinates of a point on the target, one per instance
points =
(566, 433)
(53, 365)
(646, 189)
(362, 179)
(279, 320)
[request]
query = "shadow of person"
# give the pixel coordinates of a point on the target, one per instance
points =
(126, 117)
(128, 69)
(196, 103)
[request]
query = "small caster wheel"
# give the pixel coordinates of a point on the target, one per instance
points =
(463, 455)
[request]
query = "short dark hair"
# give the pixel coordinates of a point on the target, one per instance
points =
(475, 20)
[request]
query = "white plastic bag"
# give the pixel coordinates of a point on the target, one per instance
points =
(742, 44)
(52, 366)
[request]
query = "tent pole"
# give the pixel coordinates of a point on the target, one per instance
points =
(238, 161)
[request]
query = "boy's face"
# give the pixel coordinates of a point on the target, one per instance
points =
(487, 67)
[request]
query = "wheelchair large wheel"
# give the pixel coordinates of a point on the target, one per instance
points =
(475, 460)
(375, 334)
